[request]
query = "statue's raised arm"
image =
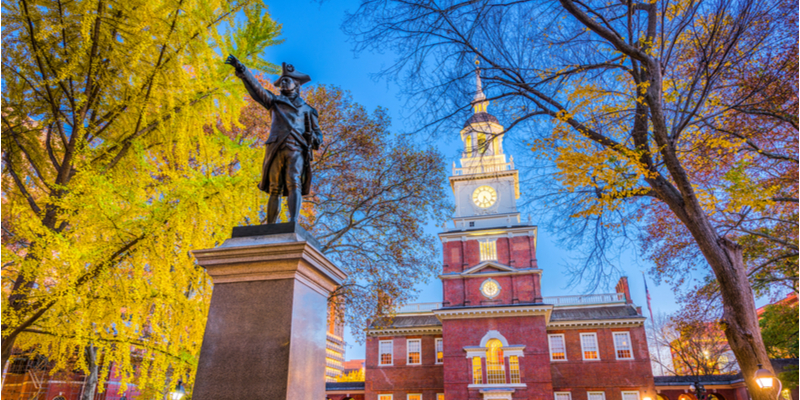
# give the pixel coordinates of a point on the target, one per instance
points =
(257, 92)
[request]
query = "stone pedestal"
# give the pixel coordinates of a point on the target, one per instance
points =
(266, 329)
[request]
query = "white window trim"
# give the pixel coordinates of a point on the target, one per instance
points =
(550, 346)
(436, 350)
(380, 363)
(636, 392)
(555, 395)
(408, 353)
(408, 395)
(596, 344)
(630, 345)
(596, 392)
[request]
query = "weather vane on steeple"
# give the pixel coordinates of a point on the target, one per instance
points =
(479, 103)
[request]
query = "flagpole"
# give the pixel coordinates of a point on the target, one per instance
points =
(653, 322)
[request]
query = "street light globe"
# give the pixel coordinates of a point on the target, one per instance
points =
(178, 393)
(764, 378)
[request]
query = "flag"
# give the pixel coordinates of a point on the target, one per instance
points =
(647, 292)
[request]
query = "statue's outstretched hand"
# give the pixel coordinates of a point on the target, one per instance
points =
(231, 60)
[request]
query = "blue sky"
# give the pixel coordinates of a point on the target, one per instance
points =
(315, 45)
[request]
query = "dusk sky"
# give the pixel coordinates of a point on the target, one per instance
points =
(315, 45)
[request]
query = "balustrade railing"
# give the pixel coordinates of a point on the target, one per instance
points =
(602, 298)
(481, 168)
(418, 307)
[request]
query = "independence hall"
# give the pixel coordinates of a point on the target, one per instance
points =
(494, 336)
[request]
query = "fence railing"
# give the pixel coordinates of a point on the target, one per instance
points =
(481, 168)
(418, 307)
(602, 298)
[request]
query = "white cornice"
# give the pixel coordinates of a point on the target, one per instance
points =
(590, 323)
(412, 330)
(488, 233)
(462, 275)
(494, 312)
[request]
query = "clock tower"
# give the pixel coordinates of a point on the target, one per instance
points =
(489, 254)
(490, 277)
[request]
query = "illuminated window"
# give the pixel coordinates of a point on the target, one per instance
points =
(563, 396)
(413, 351)
(495, 365)
(513, 364)
(385, 352)
(630, 395)
(488, 250)
(622, 345)
(384, 397)
(589, 346)
(596, 395)
(477, 373)
(414, 396)
(439, 351)
(558, 351)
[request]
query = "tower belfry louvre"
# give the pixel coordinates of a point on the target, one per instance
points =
(494, 335)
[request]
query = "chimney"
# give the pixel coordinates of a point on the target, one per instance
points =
(622, 287)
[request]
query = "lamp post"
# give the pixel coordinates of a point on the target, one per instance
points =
(699, 390)
(178, 393)
(766, 380)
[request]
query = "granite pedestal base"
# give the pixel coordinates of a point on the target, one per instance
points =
(266, 329)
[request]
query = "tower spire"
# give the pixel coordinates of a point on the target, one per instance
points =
(479, 103)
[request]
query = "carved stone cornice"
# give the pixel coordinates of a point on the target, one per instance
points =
(258, 259)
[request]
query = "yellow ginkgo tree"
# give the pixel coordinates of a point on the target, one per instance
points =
(109, 177)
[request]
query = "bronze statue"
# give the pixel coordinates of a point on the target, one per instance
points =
(293, 135)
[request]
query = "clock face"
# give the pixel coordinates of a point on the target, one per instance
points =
(490, 288)
(484, 196)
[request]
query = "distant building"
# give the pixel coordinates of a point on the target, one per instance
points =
(334, 348)
(353, 366)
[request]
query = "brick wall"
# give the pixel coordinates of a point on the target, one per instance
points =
(528, 331)
(401, 378)
(517, 252)
(607, 374)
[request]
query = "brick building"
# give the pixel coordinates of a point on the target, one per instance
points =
(494, 336)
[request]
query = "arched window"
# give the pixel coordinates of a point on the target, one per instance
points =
(495, 365)
(482, 142)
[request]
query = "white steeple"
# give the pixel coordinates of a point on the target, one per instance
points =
(479, 103)
(486, 186)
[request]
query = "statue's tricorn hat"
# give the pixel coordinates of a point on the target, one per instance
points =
(288, 70)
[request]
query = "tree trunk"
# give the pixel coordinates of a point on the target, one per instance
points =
(739, 317)
(90, 385)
